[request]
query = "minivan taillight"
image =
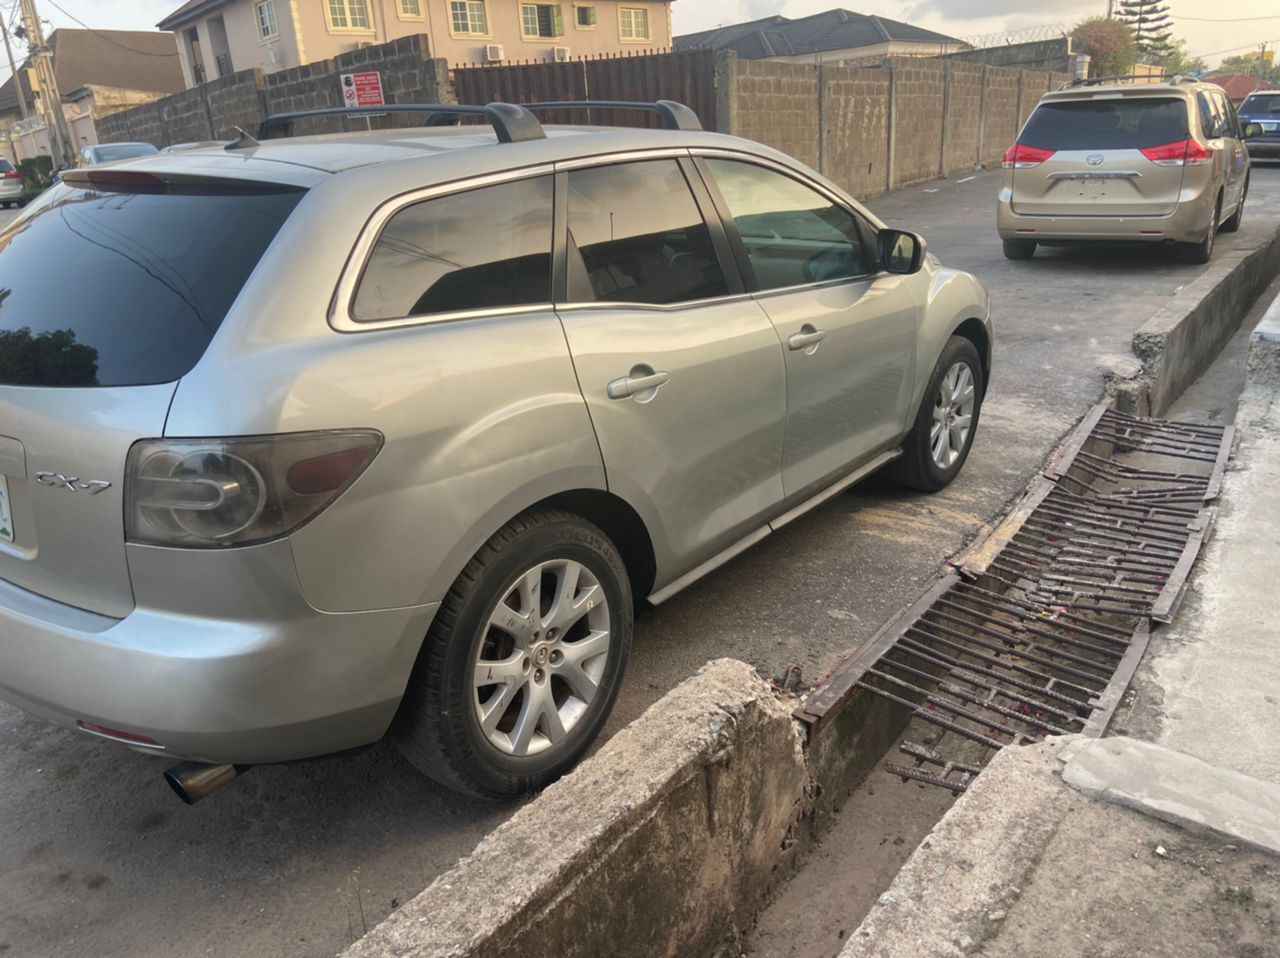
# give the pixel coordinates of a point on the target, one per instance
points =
(1182, 153)
(12, 175)
(215, 493)
(1023, 157)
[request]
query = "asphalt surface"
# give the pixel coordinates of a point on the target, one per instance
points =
(98, 858)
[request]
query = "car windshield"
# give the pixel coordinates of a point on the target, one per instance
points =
(1261, 103)
(1127, 124)
(149, 290)
(123, 151)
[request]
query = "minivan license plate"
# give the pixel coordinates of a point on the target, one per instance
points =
(6, 514)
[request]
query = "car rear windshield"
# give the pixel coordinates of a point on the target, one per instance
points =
(124, 151)
(1261, 103)
(1132, 124)
(120, 288)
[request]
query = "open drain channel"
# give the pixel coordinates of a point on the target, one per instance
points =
(1041, 625)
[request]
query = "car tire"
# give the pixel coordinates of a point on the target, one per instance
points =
(518, 745)
(1019, 249)
(931, 459)
(1202, 251)
(1233, 223)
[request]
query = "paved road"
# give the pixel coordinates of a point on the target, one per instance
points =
(97, 858)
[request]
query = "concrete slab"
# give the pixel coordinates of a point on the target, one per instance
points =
(1176, 788)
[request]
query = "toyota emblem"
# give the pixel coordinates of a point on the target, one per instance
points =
(1094, 159)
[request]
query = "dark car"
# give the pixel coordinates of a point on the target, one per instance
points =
(1263, 108)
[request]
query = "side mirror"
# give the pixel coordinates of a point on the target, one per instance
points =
(1251, 130)
(900, 251)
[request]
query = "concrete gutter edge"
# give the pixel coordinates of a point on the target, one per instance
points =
(1184, 336)
(665, 840)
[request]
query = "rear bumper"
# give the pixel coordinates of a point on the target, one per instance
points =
(10, 190)
(1186, 224)
(225, 664)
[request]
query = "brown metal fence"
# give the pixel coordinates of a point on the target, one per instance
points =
(688, 77)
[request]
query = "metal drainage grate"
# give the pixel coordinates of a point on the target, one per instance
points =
(1040, 628)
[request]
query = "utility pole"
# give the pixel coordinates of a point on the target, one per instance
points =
(50, 98)
(13, 68)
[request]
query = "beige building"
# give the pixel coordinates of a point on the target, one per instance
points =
(218, 37)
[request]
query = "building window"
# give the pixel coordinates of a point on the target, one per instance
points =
(267, 20)
(541, 20)
(468, 16)
(349, 15)
(411, 9)
(633, 23)
(585, 17)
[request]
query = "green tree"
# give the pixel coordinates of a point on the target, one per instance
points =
(1109, 43)
(1152, 29)
(1180, 60)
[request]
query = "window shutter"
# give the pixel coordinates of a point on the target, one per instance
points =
(557, 21)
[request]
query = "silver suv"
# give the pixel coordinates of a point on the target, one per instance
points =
(333, 436)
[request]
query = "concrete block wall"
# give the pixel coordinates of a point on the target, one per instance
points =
(1000, 113)
(962, 116)
(856, 128)
(918, 94)
(234, 102)
(778, 106)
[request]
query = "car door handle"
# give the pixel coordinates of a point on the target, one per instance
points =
(808, 336)
(641, 381)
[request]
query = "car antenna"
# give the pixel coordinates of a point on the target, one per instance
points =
(241, 142)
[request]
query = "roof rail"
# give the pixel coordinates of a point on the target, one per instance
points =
(512, 123)
(674, 116)
(1154, 81)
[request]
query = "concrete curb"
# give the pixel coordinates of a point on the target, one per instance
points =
(1182, 339)
(664, 842)
(1264, 348)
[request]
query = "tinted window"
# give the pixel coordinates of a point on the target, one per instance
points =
(1228, 113)
(111, 152)
(1133, 124)
(636, 236)
(115, 289)
(793, 234)
(482, 249)
(1261, 103)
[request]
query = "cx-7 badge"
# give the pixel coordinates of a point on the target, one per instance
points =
(58, 481)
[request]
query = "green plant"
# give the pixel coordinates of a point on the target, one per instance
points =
(1110, 44)
(37, 172)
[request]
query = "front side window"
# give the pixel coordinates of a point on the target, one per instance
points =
(266, 12)
(794, 236)
(469, 16)
(349, 14)
(634, 23)
(480, 249)
(541, 20)
(636, 236)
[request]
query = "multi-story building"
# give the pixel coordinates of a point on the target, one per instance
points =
(218, 37)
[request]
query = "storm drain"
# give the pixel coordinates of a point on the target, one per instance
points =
(1041, 625)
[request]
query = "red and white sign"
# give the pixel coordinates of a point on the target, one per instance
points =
(362, 89)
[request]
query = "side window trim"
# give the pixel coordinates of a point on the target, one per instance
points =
(867, 229)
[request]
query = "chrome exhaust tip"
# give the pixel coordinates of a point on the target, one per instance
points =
(194, 781)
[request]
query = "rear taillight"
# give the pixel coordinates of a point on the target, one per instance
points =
(1182, 153)
(1023, 157)
(13, 175)
(214, 493)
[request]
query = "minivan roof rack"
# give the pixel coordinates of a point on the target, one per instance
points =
(674, 116)
(1152, 81)
(512, 123)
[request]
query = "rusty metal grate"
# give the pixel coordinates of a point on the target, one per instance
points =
(1041, 625)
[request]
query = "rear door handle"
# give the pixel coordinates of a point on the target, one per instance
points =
(643, 384)
(808, 336)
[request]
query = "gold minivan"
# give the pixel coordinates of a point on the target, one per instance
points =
(1114, 161)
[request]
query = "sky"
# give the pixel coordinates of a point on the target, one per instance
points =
(1238, 25)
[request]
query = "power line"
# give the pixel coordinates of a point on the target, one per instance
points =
(1174, 16)
(103, 36)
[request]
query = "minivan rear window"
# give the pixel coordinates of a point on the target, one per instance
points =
(1128, 124)
(119, 289)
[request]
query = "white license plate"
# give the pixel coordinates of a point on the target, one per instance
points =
(6, 514)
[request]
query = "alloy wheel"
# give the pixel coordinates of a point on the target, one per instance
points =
(952, 416)
(542, 657)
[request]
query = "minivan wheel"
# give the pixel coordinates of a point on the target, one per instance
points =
(1202, 252)
(524, 660)
(1019, 249)
(1233, 223)
(939, 442)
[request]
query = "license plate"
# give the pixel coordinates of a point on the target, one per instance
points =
(6, 514)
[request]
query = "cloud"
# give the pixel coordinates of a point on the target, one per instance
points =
(981, 9)
(758, 9)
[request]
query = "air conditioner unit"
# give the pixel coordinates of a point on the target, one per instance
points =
(562, 54)
(493, 53)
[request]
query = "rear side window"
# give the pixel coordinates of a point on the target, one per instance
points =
(119, 289)
(1130, 124)
(480, 249)
(793, 235)
(636, 236)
